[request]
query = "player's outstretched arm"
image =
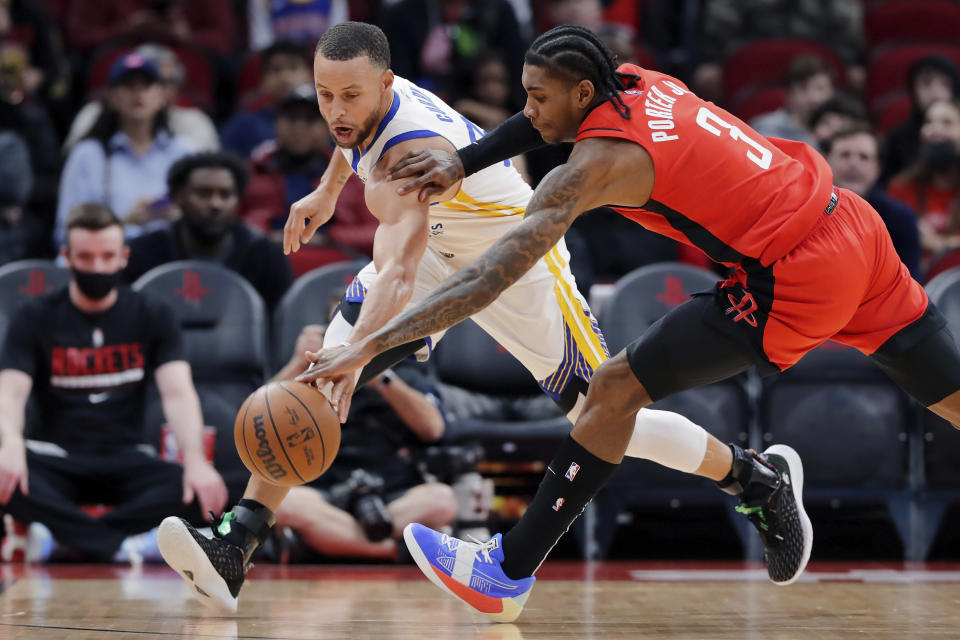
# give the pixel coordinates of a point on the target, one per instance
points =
(315, 209)
(438, 170)
(564, 193)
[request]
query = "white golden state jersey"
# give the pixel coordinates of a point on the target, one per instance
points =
(489, 202)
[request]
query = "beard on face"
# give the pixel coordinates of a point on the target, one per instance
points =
(362, 133)
(204, 232)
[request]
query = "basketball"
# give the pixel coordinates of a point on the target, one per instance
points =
(287, 433)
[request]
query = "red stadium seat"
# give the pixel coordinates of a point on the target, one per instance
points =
(763, 64)
(759, 102)
(893, 113)
(903, 21)
(645, 58)
(248, 78)
(887, 73)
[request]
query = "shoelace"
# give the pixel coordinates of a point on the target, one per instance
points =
(484, 548)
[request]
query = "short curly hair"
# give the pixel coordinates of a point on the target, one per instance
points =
(349, 40)
(179, 173)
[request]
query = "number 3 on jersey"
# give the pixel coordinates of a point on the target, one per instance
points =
(759, 155)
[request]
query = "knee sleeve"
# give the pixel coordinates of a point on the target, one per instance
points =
(669, 439)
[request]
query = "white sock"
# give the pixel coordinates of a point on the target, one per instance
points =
(669, 439)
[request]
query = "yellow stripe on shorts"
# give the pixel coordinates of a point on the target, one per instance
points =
(584, 331)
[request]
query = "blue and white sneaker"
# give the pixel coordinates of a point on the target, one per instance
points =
(469, 570)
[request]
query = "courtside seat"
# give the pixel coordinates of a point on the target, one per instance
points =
(639, 299)
(940, 440)
(308, 301)
(833, 402)
(26, 279)
(224, 326)
(763, 63)
(471, 360)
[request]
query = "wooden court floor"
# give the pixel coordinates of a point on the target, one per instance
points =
(606, 601)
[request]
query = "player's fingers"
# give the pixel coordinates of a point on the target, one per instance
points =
(188, 494)
(290, 228)
(315, 223)
(24, 488)
(429, 191)
(343, 404)
(295, 222)
(406, 166)
(416, 184)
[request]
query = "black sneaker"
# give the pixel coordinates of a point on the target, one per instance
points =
(213, 567)
(773, 502)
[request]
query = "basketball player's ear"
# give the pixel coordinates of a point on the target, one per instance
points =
(65, 254)
(585, 93)
(387, 79)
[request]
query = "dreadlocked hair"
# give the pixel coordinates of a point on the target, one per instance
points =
(577, 53)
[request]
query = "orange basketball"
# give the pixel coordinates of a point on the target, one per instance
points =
(287, 433)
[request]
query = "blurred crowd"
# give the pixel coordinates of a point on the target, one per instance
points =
(99, 100)
(196, 125)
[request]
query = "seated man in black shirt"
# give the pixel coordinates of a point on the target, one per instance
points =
(89, 350)
(359, 507)
(207, 188)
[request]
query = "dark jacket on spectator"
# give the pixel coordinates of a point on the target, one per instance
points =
(260, 261)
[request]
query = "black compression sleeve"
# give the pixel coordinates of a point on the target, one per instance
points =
(513, 136)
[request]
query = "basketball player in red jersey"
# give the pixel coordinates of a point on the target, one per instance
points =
(811, 262)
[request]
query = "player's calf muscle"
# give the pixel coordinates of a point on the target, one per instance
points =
(607, 421)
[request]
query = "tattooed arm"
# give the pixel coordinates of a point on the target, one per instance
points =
(567, 191)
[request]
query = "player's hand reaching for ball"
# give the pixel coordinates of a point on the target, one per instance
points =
(307, 214)
(437, 171)
(338, 366)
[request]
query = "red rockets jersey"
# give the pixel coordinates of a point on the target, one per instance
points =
(719, 185)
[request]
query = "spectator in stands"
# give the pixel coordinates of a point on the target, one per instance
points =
(392, 417)
(123, 161)
(288, 168)
(206, 188)
(284, 66)
(88, 351)
(809, 83)
(929, 79)
(931, 186)
(853, 153)
(434, 43)
(22, 113)
(302, 21)
(728, 25)
(836, 114)
(188, 123)
(16, 181)
(28, 24)
(209, 24)
(488, 96)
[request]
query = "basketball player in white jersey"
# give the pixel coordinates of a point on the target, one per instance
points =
(376, 117)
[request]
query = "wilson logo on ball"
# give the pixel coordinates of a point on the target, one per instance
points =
(265, 451)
